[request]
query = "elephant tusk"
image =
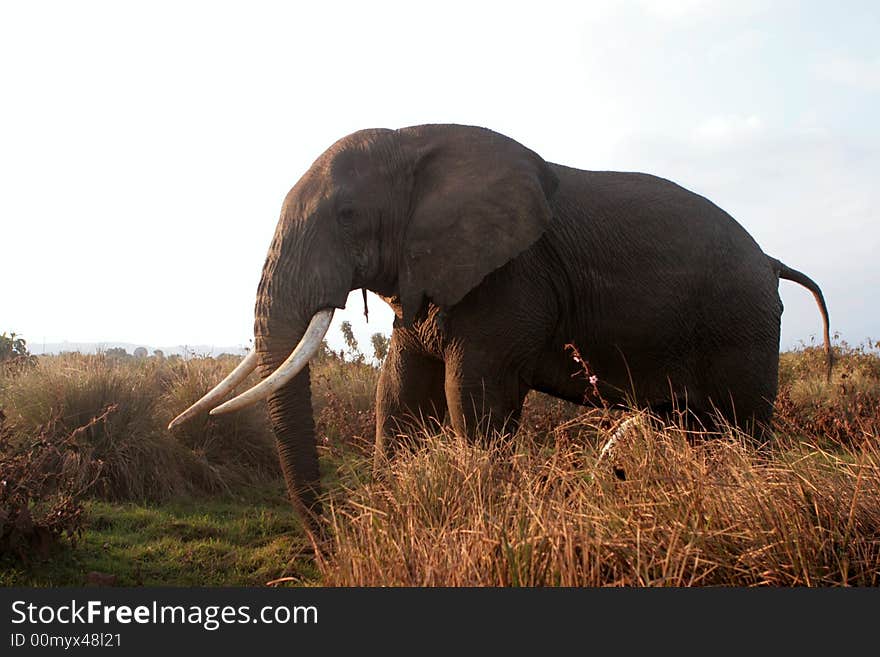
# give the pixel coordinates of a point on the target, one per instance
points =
(306, 349)
(218, 392)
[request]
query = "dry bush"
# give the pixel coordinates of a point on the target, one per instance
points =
(42, 488)
(344, 399)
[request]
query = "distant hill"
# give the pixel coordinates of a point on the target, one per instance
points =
(95, 347)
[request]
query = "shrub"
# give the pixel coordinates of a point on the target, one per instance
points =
(14, 354)
(42, 488)
(343, 395)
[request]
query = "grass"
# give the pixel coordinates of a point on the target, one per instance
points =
(226, 542)
(206, 506)
(140, 459)
(517, 513)
(667, 508)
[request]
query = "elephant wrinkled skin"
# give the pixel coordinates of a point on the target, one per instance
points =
(493, 260)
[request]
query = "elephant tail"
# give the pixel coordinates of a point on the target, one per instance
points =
(789, 274)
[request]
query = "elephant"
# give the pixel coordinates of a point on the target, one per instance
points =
(493, 261)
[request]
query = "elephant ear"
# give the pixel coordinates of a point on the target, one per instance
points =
(479, 199)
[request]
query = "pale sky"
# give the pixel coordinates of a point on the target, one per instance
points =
(145, 149)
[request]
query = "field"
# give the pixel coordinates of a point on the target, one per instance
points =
(95, 490)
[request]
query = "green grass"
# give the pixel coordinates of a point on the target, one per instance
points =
(197, 542)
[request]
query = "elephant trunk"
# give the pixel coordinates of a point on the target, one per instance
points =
(305, 277)
(290, 413)
(293, 312)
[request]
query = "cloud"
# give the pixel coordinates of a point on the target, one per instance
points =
(688, 11)
(676, 8)
(722, 130)
(851, 71)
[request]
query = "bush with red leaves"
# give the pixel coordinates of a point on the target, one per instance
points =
(42, 485)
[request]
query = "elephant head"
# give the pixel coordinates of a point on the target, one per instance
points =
(418, 214)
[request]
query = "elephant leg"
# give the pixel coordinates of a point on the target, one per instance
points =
(482, 406)
(409, 396)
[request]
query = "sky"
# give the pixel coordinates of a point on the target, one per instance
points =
(145, 148)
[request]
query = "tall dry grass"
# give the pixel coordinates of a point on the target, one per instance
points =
(844, 410)
(515, 513)
(140, 459)
(667, 509)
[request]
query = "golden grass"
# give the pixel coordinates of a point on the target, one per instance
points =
(667, 509)
(517, 513)
(140, 459)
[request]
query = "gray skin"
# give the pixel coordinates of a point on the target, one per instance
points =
(493, 260)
